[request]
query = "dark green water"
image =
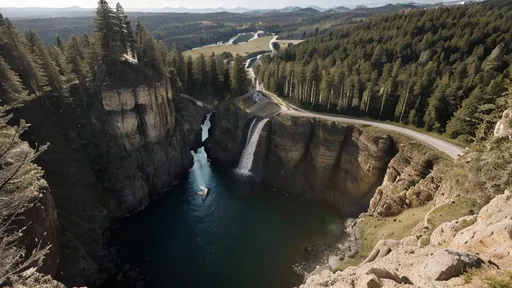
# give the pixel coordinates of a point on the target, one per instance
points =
(242, 235)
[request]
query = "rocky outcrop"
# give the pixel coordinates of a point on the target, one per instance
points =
(456, 246)
(446, 264)
(338, 163)
(406, 265)
(147, 149)
(106, 161)
(491, 235)
(504, 126)
(191, 114)
(444, 234)
(412, 180)
(230, 126)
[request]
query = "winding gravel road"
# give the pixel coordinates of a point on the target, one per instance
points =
(451, 150)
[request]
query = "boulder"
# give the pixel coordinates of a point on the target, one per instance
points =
(444, 234)
(411, 180)
(491, 235)
(382, 249)
(504, 126)
(370, 281)
(446, 264)
(383, 273)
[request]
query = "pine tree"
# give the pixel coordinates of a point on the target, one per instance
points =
(60, 62)
(73, 57)
(92, 62)
(148, 53)
(437, 114)
(119, 21)
(326, 90)
(464, 122)
(108, 36)
(214, 76)
(189, 76)
(239, 79)
(177, 62)
(11, 89)
(226, 80)
(201, 72)
(50, 70)
(60, 44)
(14, 50)
(130, 38)
(378, 58)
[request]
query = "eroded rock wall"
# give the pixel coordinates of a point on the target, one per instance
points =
(336, 162)
(141, 146)
(105, 161)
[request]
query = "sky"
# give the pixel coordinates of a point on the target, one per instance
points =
(201, 3)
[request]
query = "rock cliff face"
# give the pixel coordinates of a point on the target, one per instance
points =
(468, 224)
(106, 162)
(478, 241)
(320, 159)
(140, 145)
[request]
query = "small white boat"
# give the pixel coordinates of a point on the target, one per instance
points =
(203, 192)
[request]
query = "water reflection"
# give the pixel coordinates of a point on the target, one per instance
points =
(242, 235)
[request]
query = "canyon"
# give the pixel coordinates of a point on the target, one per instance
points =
(338, 163)
(105, 162)
(135, 145)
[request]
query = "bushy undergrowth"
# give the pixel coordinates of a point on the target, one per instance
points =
(19, 189)
(481, 173)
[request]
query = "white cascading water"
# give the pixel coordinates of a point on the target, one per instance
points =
(245, 164)
(200, 171)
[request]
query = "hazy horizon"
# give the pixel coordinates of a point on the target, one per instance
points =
(204, 4)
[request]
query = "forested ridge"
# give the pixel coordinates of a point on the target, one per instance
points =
(190, 30)
(116, 55)
(444, 69)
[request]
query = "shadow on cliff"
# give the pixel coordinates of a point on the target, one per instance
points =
(317, 159)
(109, 153)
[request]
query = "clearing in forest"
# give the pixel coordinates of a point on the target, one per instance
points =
(255, 45)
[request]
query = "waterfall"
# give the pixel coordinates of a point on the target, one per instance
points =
(245, 164)
(205, 127)
(201, 169)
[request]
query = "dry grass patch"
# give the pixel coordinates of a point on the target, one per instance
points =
(258, 44)
(490, 278)
(372, 230)
(459, 207)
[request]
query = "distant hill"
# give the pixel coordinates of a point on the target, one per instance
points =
(320, 9)
(75, 11)
(341, 9)
(260, 11)
(289, 9)
(308, 10)
(37, 12)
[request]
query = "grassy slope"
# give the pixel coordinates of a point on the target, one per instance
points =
(259, 44)
(372, 230)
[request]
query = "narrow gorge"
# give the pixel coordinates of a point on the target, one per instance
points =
(367, 147)
(106, 161)
(333, 162)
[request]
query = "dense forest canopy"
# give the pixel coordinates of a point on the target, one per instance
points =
(118, 54)
(442, 69)
(190, 30)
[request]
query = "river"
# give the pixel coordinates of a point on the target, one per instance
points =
(244, 234)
